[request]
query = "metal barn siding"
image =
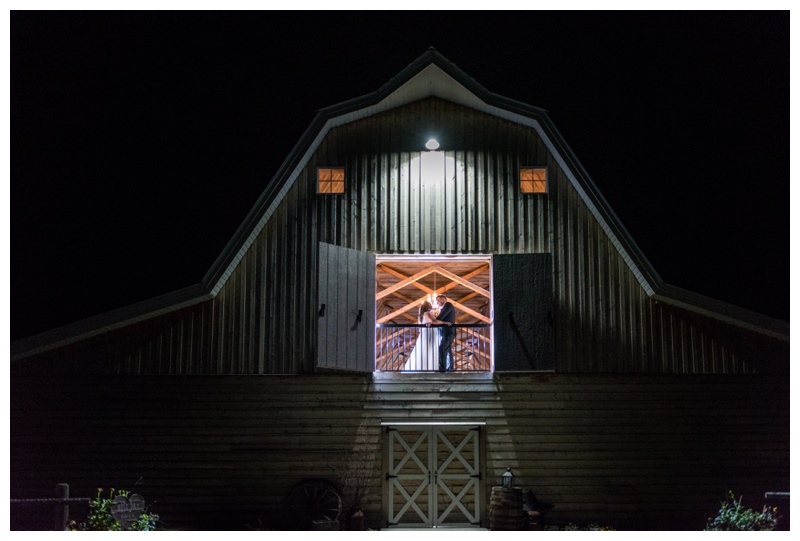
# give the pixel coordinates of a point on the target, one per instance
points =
(263, 320)
(605, 322)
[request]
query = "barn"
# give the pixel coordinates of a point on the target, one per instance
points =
(289, 386)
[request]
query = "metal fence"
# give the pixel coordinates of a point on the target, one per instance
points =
(415, 348)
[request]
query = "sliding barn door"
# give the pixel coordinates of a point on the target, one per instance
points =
(434, 476)
(346, 309)
(523, 312)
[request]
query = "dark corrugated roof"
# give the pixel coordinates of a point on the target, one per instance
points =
(496, 104)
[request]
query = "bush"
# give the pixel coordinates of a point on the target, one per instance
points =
(733, 515)
(101, 519)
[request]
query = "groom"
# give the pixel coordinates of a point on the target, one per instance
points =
(447, 314)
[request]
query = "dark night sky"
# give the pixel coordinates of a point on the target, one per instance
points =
(139, 141)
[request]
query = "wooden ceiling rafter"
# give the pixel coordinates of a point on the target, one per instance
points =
(404, 282)
(475, 335)
(390, 336)
(413, 280)
(397, 313)
(468, 310)
(463, 280)
(456, 278)
(409, 305)
(480, 356)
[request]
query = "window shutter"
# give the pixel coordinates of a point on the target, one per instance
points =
(346, 309)
(523, 312)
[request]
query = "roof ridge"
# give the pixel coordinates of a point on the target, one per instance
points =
(496, 104)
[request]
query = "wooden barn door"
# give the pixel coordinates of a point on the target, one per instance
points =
(346, 309)
(523, 312)
(433, 477)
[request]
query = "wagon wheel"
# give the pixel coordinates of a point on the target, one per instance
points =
(310, 500)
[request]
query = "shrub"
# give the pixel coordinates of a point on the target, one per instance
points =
(733, 515)
(101, 519)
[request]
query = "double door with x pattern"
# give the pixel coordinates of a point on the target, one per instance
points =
(433, 476)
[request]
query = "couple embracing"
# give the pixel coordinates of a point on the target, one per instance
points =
(431, 350)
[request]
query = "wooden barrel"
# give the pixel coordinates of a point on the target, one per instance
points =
(505, 509)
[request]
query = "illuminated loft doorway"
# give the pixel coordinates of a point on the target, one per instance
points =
(404, 282)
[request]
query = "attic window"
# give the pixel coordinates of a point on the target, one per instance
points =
(533, 180)
(330, 180)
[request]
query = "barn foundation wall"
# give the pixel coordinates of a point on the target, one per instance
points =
(222, 452)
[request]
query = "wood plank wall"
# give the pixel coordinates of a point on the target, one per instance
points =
(264, 319)
(208, 452)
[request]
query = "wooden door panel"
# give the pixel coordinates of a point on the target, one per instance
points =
(346, 309)
(434, 476)
(523, 312)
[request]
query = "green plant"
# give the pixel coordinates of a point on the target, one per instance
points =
(733, 515)
(101, 519)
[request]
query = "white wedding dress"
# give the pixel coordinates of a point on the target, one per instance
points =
(425, 355)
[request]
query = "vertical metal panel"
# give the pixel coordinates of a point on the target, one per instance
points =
(324, 304)
(523, 336)
(366, 287)
(263, 319)
(345, 316)
(364, 296)
(331, 343)
(345, 325)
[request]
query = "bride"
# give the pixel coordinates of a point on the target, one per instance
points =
(425, 356)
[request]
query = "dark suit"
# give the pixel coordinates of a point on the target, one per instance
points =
(447, 334)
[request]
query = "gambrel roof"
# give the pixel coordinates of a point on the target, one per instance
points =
(430, 75)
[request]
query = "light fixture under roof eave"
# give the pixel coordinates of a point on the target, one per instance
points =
(432, 144)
